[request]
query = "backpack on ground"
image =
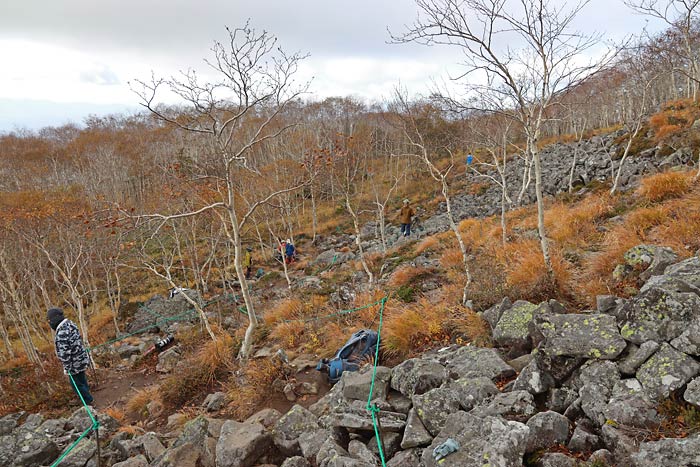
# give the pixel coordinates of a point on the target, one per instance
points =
(362, 345)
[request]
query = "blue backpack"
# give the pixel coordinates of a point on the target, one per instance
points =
(361, 345)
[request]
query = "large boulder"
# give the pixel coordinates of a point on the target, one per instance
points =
(585, 335)
(415, 434)
(534, 379)
(547, 429)
(493, 314)
(241, 444)
(687, 270)
(658, 315)
(482, 441)
(291, 426)
(475, 362)
(357, 384)
(515, 405)
(26, 448)
(513, 328)
(666, 371)
(435, 406)
(672, 452)
(692, 392)
(417, 376)
(636, 357)
(186, 455)
(472, 391)
(689, 341)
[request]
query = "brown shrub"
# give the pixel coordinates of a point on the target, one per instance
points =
(410, 329)
(136, 406)
(407, 275)
(664, 186)
(253, 387)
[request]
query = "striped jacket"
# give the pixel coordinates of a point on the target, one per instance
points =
(70, 349)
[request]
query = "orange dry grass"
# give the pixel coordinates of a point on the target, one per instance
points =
(101, 326)
(526, 273)
(116, 414)
(291, 308)
(409, 329)
(407, 274)
(214, 356)
(253, 388)
(642, 220)
(665, 186)
(136, 406)
(428, 243)
(473, 328)
(576, 225)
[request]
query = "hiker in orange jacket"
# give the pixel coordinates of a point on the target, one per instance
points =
(405, 215)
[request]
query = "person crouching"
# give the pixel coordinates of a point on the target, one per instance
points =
(71, 352)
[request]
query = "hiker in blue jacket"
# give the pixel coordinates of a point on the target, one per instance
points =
(71, 352)
(289, 252)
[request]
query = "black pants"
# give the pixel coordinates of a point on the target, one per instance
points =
(81, 387)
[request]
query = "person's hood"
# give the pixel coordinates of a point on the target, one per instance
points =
(55, 317)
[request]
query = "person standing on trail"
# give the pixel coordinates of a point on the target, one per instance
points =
(71, 352)
(405, 215)
(248, 262)
(289, 252)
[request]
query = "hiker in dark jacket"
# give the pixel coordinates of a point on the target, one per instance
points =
(405, 215)
(71, 352)
(290, 253)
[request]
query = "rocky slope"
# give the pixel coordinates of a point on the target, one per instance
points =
(561, 389)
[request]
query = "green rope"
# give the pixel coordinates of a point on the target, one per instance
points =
(335, 257)
(94, 427)
(372, 408)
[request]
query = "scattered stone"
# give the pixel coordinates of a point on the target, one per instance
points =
(534, 379)
(214, 402)
(474, 362)
(357, 384)
(689, 341)
(556, 459)
(666, 371)
(583, 440)
(472, 391)
(692, 392)
(515, 405)
(241, 444)
(391, 443)
(493, 314)
(290, 426)
(636, 357)
(415, 434)
(513, 328)
(658, 315)
(582, 335)
(296, 461)
(435, 406)
(417, 376)
(168, 360)
(547, 429)
(482, 441)
(677, 452)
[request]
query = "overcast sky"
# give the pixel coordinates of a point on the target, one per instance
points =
(64, 59)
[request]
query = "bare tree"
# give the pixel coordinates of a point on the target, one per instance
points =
(236, 117)
(419, 148)
(518, 58)
(681, 16)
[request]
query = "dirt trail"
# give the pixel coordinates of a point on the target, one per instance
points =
(113, 388)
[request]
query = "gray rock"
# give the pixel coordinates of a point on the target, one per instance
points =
(633, 410)
(670, 283)
(417, 376)
(666, 371)
(214, 402)
(360, 419)
(689, 341)
(472, 391)
(692, 392)
(79, 456)
(556, 459)
(168, 360)
(330, 401)
(266, 417)
(687, 270)
(53, 427)
(636, 357)
(583, 440)
(152, 447)
(474, 362)
(620, 445)
(25, 448)
(521, 362)
(291, 426)
(547, 429)
(658, 315)
(136, 461)
(605, 303)
(399, 403)
(329, 450)
(359, 450)
(296, 461)
(435, 406)
(493, 314)
(391, 444)
(187, 455)
(415, 434)
(357, 384)
(513, 328)
(600, 458)
(33, 421)
(559, 399)
(241, 444)
(676, 452)
(515, 405)
(534, 379)
(158, 307)
(584, 335)
(9, 422)
(406, 458)
(310, 442)
(482, 441)
(194, 432)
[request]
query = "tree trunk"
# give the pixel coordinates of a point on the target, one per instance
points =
(544, 243)
(460, 242)
(527, 177)
(358, 239)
